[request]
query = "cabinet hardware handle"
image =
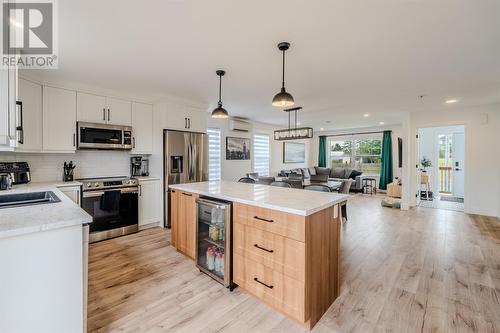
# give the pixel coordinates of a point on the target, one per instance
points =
(74, 139)
(263, 219)
(185, 123)
(20, 127)
(140, 190)
(133, 139)
(262, 248)
(187, 194)
(104, 114)
(109, 115)
(189, 122)
(262, 283)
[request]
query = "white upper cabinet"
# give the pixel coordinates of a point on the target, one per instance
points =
(59, 120)
(105, 110)
(29, 116)
(197, 119)
(7, 108)
(142, 128)
(91, 108)
(184, 118)
(119, 111)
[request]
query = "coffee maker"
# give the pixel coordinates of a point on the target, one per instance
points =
(139, 166)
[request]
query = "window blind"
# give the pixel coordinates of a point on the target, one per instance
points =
(214, 154)
(261, 154)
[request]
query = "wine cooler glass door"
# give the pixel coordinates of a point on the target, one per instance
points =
(213, 234)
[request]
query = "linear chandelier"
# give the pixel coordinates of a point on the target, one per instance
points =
(293, 133)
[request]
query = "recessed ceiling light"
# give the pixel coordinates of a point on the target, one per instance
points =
(321, 129)
(451, 101)
(381, 123)
(366, 115)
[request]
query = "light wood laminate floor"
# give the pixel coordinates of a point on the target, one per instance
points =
(424, 270)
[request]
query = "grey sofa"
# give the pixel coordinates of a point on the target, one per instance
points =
(319, 174)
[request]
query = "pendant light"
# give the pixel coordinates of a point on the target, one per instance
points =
(219, 112)
(283, 99)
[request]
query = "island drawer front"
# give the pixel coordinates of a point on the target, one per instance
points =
(284, 255)
(281, 223)
(279, 291)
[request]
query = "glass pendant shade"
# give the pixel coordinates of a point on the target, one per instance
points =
(283, 99)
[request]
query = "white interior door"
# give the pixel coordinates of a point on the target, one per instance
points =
(458, 164)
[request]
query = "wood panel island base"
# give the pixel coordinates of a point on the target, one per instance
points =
(284, 254)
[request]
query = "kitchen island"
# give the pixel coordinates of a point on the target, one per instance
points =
(285, 242)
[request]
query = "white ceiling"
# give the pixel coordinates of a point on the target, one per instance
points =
(347, 57)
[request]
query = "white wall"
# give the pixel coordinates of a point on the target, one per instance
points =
(49, 167)
(482, 159)
(428, 146)
(233, 170)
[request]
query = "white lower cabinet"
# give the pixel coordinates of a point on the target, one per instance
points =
(59, 120)
(72, 192)
(150, 203)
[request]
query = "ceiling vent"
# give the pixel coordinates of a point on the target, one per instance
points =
(239, 125)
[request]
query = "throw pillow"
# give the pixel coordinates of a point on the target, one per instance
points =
(337, 172)
(305, 173)
(354, 174)
(322, 171)
(312, 171)
(347, 172)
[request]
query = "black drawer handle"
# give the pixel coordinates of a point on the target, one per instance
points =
(187, 194)
(262, 283)
(262, 219)
(264, 249)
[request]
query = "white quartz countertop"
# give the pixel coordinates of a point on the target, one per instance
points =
(146, 178)
(289, 200)
(30, 219)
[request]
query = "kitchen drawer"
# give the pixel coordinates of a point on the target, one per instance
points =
(284, 255)
(278, 290)
(284, 224)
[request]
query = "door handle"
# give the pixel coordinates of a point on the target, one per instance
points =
(262, 248)
(262, 283)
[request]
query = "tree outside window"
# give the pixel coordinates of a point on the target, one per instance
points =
(361, 154)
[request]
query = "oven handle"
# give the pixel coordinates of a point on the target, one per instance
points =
(100, 193)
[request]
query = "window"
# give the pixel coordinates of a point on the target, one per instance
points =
(361, 154)
(261, 154)
(214, 154)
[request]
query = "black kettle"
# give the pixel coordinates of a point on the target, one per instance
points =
(5, 181)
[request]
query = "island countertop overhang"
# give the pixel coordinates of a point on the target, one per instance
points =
(289, 200)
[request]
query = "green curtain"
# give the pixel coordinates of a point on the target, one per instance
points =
(386, 167)
(322, 152)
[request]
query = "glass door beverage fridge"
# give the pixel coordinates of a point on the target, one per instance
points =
(213, 243)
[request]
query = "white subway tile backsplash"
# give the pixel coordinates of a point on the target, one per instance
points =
(49, 167)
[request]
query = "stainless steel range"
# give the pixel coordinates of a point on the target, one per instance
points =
(113, 204)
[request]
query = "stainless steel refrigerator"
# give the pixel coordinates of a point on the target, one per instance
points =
(185, 160)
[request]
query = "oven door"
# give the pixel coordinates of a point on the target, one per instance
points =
(99, 136)
(114, 212)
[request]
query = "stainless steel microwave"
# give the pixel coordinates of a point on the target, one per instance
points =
(103, 136)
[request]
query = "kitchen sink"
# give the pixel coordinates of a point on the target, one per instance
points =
(27, 199)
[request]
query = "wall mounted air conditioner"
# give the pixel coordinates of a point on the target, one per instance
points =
(239, 125)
